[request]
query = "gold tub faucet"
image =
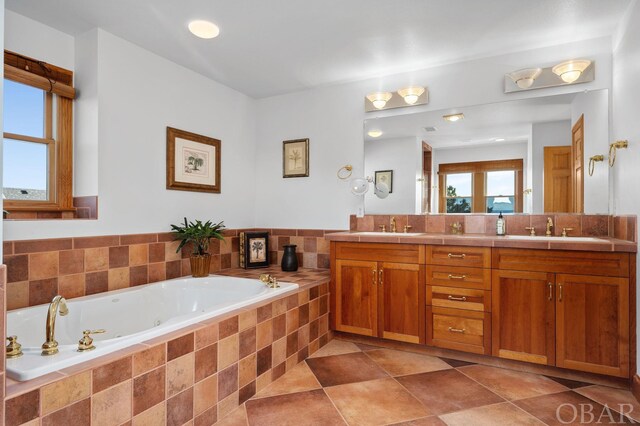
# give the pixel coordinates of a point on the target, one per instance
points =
(269, 280)
(58, 304)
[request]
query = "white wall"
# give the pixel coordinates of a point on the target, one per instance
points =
(595, 107)
(332, 117)
(553, 133)
(626, 125)
(403, 156)
(498, 151)
(139, 94)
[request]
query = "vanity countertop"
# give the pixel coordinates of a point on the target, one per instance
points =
(483, 240)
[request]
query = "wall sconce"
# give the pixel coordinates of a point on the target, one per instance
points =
(452, 118)
(613, 149)
(525, 78)
(570, 71)
(405, 97)
(360, 186)
(374, 133)
(592, 162)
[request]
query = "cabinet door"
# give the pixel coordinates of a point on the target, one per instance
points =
(357, 297)
(593, 324)
(523, 317)
(402, 302)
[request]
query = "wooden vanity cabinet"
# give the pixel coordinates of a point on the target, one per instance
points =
(562, 308)
(378, 290)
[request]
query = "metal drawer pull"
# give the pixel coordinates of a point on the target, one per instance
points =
(456, 256)
(560, 295)
(381, 275)
(550, 292)
(456, 330)
(457, 277)
(457, 299)
(375, 278)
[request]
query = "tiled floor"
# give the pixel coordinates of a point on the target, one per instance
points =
(346, 383)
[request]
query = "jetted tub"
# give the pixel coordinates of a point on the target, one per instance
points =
(129, 316)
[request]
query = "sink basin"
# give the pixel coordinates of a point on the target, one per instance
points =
(555, 239)
(390, 234)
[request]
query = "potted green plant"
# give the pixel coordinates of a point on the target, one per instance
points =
(198, 234)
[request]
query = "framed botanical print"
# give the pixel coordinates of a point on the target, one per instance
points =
(386, 177)
(295, 158)
(254, 249)
(193, 162)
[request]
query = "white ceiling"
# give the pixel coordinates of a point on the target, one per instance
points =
(269, 47)
(482, 124)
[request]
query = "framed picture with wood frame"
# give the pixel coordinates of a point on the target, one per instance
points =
(295, 158)
(193, 162)
(386, 177)
(254, 249)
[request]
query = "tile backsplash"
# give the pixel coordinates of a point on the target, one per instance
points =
(37, 270)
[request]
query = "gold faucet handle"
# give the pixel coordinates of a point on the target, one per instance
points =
(406, 228)
(86, 343)
(532, 230)
(383, 228)
(14, 349)
(265, 278)
(565, 231)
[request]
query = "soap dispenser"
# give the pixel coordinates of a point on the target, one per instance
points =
(500, 225)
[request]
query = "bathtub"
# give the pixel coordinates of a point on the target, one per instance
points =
(129, 316)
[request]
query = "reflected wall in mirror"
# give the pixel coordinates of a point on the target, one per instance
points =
(527, 155)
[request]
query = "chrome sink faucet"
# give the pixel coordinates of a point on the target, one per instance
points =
(58, 304)
(549, 227)
(392, 223)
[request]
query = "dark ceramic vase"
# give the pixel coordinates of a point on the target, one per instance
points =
(289, 258)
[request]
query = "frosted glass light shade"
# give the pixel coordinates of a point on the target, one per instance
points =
(204, 29)
(374, 133)
(359, 186)
(570, 71)
(524, 78)
(411, 94)
(381, 190)
(379, 99)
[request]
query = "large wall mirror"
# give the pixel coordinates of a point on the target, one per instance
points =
(522, 156)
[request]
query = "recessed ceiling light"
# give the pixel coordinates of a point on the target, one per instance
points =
(375, 133)
(204, 29)
(500, 140)
(453, 117)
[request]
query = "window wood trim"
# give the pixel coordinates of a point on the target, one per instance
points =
(42, 75)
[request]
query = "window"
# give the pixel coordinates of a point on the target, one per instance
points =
(37, 139)
(481, 187)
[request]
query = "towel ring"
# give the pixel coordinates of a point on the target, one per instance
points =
(613, 148)
(344, 172)
(592, 162)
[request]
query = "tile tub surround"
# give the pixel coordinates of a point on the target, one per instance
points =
(623, 227)
(199, 374)
(37, 270)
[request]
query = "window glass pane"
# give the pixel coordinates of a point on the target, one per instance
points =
(458, 184)
(501, 183)
(24, 170)
(501, 204)
(459, 205)
(23, 109)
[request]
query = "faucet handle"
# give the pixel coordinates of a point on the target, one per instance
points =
(383, 228)
(86, 343)
(14, 349)
(565, 231)
(532, 230)
(406, 228)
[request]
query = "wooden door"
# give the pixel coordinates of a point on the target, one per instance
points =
(593, 324)
(523, 316)
(402, 302)
(557, 179)
(357, 297)
(577, 152)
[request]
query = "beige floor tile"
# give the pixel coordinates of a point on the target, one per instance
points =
(619, 400)
(336, 347)
(399, 363)
(299, 379)
(491, 415)
(237, 417)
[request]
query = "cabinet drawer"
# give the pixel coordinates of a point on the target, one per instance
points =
(399, 253)
(459, 298)
(458, 329)
(458, 276)
(477, 257)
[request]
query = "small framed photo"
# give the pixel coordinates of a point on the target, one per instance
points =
(254, 250)
(386, 177)
(193, 162)
(295, 158)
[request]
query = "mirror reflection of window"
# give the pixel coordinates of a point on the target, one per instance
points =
(500, 192)
(459, 193)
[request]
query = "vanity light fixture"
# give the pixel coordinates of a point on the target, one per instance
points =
(411, 94)
(204, 29)
(453, 117)
(524, 78)
(374, 133)
(570, 71)
(500, 140)
(379, 99)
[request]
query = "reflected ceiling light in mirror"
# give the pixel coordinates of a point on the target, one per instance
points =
(524, 78)
(381, 190)
(379, 99)
(374, 133)
(204, 29)
(500, 140)
(411, 94)
(570, 71)
(453, 117)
